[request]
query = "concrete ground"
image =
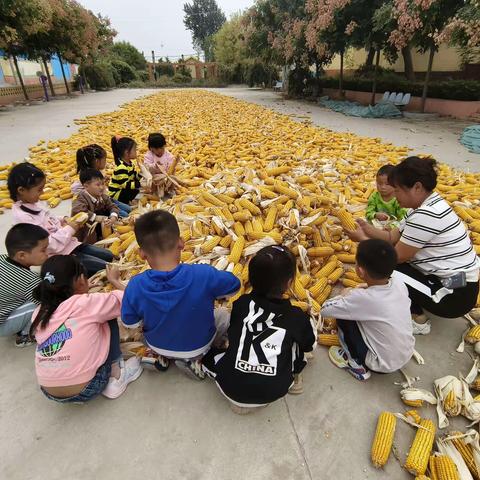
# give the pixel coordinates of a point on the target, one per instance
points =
(169, 427)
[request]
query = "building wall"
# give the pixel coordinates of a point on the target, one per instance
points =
(445, 60)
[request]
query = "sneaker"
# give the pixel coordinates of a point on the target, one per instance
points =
(24, 340)
(340, 359)
(297, 387)
(191, 368)
(420, 328)
(151, 359)
(130, 371)
(162, 363)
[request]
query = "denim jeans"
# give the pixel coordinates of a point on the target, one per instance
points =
(124, 208)
(98, 383)
(93, 258)
(353, 340)
(18, 321)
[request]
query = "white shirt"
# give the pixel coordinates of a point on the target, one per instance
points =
(444, 243)
(382, 313)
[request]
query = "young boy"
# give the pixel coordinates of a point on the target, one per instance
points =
(267, 337)
(382, 204)
(26, 247)
(173, 301)
(374, 323)
(94, 201)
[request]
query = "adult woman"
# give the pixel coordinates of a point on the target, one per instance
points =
(436, 257)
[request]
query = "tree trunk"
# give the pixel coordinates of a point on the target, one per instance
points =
(408, 63)
(317, 79)
(375, 74)
(340, 80)
(370, 57)
(427, 78)
(50, 84)
(63, 73)
(20, 79)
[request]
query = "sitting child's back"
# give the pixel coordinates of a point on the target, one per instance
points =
(174, 301)
(177, 307)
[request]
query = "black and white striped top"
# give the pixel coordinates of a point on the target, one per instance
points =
(445, 246)
(16, 286)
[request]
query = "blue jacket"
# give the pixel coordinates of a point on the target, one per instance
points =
(176, 307)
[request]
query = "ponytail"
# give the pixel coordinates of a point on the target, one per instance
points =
(88, 155)
(58, 276)
(120, 145)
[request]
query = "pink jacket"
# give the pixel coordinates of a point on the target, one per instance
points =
(158, 164)
(76, 341)
(77, 187)
(61, 240)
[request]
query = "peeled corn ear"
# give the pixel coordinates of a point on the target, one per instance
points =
(383, 440)
(418, 456)
(80, 218)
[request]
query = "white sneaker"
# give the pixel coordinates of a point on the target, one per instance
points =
(129, 372)
(421, 328)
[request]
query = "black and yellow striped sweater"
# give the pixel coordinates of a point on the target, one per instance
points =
(124, 183)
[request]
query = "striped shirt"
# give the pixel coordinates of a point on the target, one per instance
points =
(16, 286)
(445, 247)
(124, 179)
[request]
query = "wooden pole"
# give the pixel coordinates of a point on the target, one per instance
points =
(63, 73)
(427, 78)
(20, 79)
(375, 74)
(47, 72)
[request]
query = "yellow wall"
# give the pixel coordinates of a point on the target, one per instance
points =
(445, 60)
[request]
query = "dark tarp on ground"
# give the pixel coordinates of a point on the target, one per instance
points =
(354, 109)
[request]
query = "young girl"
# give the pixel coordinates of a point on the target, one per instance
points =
(125, 182)
(95, 157)
(78, 345)
(267, 337)
(158, 159)
(25, 184)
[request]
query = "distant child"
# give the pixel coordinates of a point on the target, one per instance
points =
(125, 182)
(382, 204)
(174, 302)
(78, 352)
(94, 201)
(26, 246)
(267, 337)
(89, 157)
(25, 184)
(158, 159)
(374, 323)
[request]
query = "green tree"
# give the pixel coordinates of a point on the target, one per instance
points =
(203, 18)
(20, 19)
(129, 54)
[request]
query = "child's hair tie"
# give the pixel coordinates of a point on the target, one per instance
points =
(49, 278)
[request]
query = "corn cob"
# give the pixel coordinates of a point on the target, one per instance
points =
(414, 415)
(324, 295)
(282, 189)
(273, 172)
(473, 335)
(277, 237)
(329, 267)
(349, 283)
(335, 275)
(346, 219)
(346, 257)
(318, 287)
(270, 218)
(320, 251)
(115, 248)
(466, 451)
(257, 225)
(328, 339)
(239, 229)
(80, 218)
(444, 468)
(208, 197)
(236, 250)
(252, 208)
(417, 459)
(299, 289)
(225, 241)
(383, 440)
(52, 203)
(210, 244)
(242, 216)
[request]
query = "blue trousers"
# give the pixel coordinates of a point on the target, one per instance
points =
(93, 258)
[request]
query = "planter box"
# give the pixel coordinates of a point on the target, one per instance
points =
(452, 108)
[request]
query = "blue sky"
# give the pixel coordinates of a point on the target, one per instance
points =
(155, 24)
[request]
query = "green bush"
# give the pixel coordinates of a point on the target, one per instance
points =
(99, 76)
(181, 78)
(468, 90)
(259, 73)
(298, 79)
(166, 82)
(123, 72)
(142, 75)
(165, 68)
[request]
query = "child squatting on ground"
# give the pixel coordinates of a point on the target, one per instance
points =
(125, 182)
(174, 302)
(26, 247)
(96, 203)
(382, 204)
(374, 323)
(78, 353)
(267, 337)
(25, 184)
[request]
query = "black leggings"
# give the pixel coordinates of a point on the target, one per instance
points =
(456, 304)
(353, 338)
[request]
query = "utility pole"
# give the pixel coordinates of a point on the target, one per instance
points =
(153, 63)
